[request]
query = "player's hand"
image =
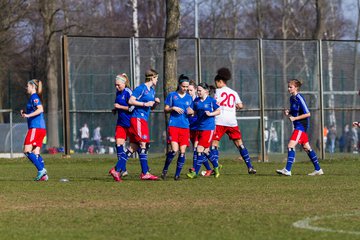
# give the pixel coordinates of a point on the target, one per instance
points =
(157, 100)
(292, 118)
(178, 110)
(149, 104)
(22, 113)
(208, 113)
(189, 111)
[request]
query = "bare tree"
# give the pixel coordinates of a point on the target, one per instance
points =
(171, 47)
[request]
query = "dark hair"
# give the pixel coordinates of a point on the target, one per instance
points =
(183, 78)
(204, 85)
(149, 74)
(212, 90)
(223, 74)
(296, 82)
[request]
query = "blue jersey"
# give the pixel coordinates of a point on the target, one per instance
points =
(203, 121)
(192, 122)
(174, 100)
(143, 94)
(37, 121)
(298, 107)
(122, 98)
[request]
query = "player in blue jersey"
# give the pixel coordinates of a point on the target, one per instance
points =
(193, 128)
(179, 105)
(143, 99)
(123, 110)
(299, 115)
(206, 109)
(36, 128)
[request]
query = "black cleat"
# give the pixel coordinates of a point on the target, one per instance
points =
(251, 171)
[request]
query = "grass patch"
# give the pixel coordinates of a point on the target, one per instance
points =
(235, 206)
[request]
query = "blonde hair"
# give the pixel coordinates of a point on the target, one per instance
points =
(296, 82)
(38, 86)
(122, 77)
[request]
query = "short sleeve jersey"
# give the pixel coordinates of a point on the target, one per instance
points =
(122, 98)
(227, 99)
(298, 107)
(143, 94)
(203, 121)
(37, 121)
(175, 100)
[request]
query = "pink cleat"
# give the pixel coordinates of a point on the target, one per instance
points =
(148, 176)
(44, 178)
(115, 175)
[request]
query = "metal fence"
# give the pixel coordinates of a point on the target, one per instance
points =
(260, 68)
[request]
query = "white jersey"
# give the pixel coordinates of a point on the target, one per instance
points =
(227, 100)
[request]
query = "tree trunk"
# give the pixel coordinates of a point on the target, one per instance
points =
(170, 47)
(135, 24)
(47, 9)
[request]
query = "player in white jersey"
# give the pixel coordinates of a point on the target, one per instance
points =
(226, 122)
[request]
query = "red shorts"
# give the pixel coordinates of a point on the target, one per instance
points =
(179, 135)
(35, 137)
(121, 132)
(299, 137)
(205, 137)
(139, 130)
(233, 132)
(193, 138)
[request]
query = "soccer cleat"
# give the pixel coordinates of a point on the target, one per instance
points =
(216, 172)
(191, 170)
(148, 176)
(115, 175)
(40, 174)
(191, 175)
(220, 166)
(284, 172)
(207, 173)
(317, 173)
(124, 174)
(177, 178)
(112, 169)
(251, 171)
(44, 178)
(163, 175)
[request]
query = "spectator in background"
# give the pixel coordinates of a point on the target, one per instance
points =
(85, 135)
(347, 138)
(354, 139)
(274, 139)
(332, 138)
(97, 139)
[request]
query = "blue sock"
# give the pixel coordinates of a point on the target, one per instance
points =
(200, 160)
(119, 152)
(180, 163)
(290, 159)
(206, 163)
(143, 160)
(212, 159)
(169, 157)
(41, 161)
(245, 155)
(314, 159)
(215, 153)
(194, 159)
(32, 157)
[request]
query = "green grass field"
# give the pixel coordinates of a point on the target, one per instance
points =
(235, 206)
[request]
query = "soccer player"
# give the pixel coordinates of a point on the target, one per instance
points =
(193, 129)
(122, 108)
(299, 115)
(143, 98)
(179, 104)
(36, 128)
(226, 122)
(206, 109)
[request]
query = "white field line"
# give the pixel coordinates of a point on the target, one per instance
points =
(306, 223)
